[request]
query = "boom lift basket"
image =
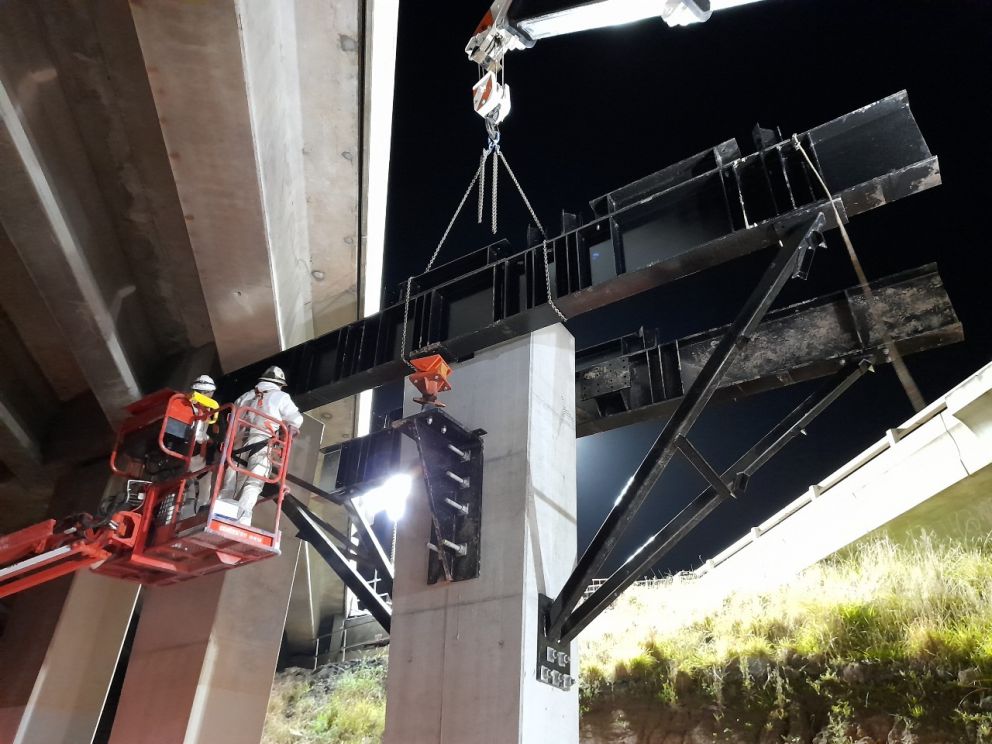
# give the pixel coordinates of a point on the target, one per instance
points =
(152, 532)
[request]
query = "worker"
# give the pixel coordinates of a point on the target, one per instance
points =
(268, 397)
(205, 407)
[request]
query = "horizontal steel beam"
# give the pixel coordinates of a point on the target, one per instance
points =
(636, 378)
(704, 211)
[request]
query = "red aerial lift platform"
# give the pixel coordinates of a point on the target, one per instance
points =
(155, 530)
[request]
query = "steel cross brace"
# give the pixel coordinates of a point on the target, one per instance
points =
(369, 550)
(310, 530)
(792, 246)
(731, 483)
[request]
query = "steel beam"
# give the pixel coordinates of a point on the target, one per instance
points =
(703, 505)
(659, 456)
(310, 531)
(696, 214)
(371, 549)
(637, 377)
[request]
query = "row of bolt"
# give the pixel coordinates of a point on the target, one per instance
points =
(458, 549)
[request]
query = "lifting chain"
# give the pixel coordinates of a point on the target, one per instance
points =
(479, 177)
(544, 235)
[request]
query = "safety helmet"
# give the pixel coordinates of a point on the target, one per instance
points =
(204, 384)
(274, 374)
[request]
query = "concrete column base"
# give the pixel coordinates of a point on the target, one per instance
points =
(463, 656)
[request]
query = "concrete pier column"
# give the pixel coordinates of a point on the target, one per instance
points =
(63, 639)
(463, 656)
(23, 646)
(205, 652)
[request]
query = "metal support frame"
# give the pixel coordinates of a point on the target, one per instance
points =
(311, 530)
(731, 483)
(704, 211)
(641, 376)
(369, 550)
(792, 246)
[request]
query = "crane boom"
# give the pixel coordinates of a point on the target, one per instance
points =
(507, 26)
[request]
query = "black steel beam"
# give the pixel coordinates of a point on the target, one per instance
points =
(630, 500)
(703, 505)
(704, 211)
(378, 559)
(637, 377)
(311, 532)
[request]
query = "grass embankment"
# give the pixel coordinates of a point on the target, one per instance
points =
(347, 707)
(900, 631)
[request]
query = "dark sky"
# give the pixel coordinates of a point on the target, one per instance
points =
(599, 109)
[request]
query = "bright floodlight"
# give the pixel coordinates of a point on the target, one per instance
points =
(390, 497)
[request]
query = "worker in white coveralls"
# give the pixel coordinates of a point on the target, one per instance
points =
(269, 397)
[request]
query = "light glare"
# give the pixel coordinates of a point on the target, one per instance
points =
(390, 497)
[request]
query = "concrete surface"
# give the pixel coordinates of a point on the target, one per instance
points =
(71, 688)
(463, 656)
(60, 648)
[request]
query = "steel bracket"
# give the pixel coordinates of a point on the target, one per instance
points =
(554, 658)
(451, 458)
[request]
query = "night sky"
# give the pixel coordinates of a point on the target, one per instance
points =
(596, 110)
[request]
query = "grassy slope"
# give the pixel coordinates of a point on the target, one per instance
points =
(347, 708)
(903, 632)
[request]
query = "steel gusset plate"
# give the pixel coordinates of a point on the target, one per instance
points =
(451, 458)
(704, 211)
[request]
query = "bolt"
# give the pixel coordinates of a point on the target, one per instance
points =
(463, 482)
(458, 549)
(463, 455)
(463, 508)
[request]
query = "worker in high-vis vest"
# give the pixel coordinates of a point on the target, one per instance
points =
(268, 397)
(205, 407)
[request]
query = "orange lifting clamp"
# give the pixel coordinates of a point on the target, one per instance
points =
(430, 379)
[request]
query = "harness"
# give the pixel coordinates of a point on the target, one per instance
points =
(263, 426)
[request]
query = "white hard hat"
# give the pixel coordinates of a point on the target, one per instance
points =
(273, 374)
(204, 384)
